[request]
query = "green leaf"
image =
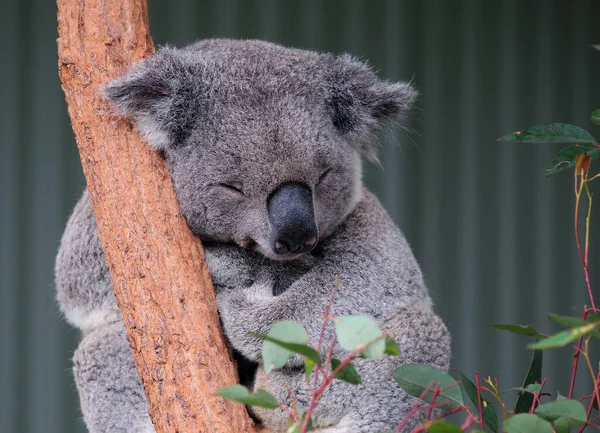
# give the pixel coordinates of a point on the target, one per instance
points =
(565, 158)
(595, 117)
(241, 394)
(356, 332)
(415, 378)
(309, 366)
(574, 322)
(563, 425)
(443, 426)
(347, 374)
(295, 427)
(551, 132)
(528, 330)
(565, 337)
(391, 347)
(534, 387)
(573, 410)
(487, 407)
(566, 321)
(592, 317)
(284, 339)
(526, 423)
(525, 399)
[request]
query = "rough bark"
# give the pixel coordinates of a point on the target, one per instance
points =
(160, 278)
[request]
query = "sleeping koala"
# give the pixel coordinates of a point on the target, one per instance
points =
(264, 146)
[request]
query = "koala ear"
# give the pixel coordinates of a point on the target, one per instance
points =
(362, 105)
(161, 96)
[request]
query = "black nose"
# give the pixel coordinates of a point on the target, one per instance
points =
(293, 219)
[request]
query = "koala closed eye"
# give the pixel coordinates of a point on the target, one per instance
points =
(231, 188)
(324, 175)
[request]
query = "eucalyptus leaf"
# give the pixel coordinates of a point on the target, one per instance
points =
(415, 378)
(283, 340)
(595, 117)
(592, 317)
(391, 347)
(443, 426)
(296, 426)
(565, 337)
(534, 388)
(566, 321)
(534, 375)
(241, 394)
(526, 423)
(528, 330)
(487, 407)
(347, 373)
(565, 159)
(563, 425)
(551, 132)
(309, 366)
(572, 410)
(356, 332)
(575, 322)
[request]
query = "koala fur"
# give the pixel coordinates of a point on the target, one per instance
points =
(239, 122)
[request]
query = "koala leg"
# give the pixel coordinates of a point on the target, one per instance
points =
(83, 284)
(110, 389)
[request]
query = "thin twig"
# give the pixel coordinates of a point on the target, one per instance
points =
(536, 397)
(593, 398)
(414, 409)
(479, 399)
(587, 242)
(576, 358)
(436, 393)
(582, 257)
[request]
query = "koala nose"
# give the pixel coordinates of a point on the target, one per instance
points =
(292, 217)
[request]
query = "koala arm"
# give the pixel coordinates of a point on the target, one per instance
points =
(83, 283)
(111, 394)
(370, 258)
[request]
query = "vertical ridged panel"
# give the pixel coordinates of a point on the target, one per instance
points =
(494, 237)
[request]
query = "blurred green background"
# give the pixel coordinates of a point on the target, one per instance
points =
(493, 236)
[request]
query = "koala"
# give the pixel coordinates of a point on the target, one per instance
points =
(264, 145)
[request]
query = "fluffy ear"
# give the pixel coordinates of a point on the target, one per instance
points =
(161, 95)
(362, 105)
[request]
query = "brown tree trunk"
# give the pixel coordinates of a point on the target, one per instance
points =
(160, 278)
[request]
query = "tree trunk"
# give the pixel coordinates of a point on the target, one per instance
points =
(159, 274)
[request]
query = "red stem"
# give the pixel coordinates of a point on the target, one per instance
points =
(316, 395)
(414, 409)
(582, 258)
(289, 410)
(576, 358)
(470, 420)
(591, 404)
(479, 399)
(436, 393)
(536, 397)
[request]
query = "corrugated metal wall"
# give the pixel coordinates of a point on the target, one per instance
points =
(493, 236)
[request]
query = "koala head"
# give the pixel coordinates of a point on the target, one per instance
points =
(263, 142)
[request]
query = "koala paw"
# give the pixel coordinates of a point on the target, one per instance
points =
(262, 289)
(245, 310)
(229, 267)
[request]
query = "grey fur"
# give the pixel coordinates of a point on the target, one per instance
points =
(253, 115)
